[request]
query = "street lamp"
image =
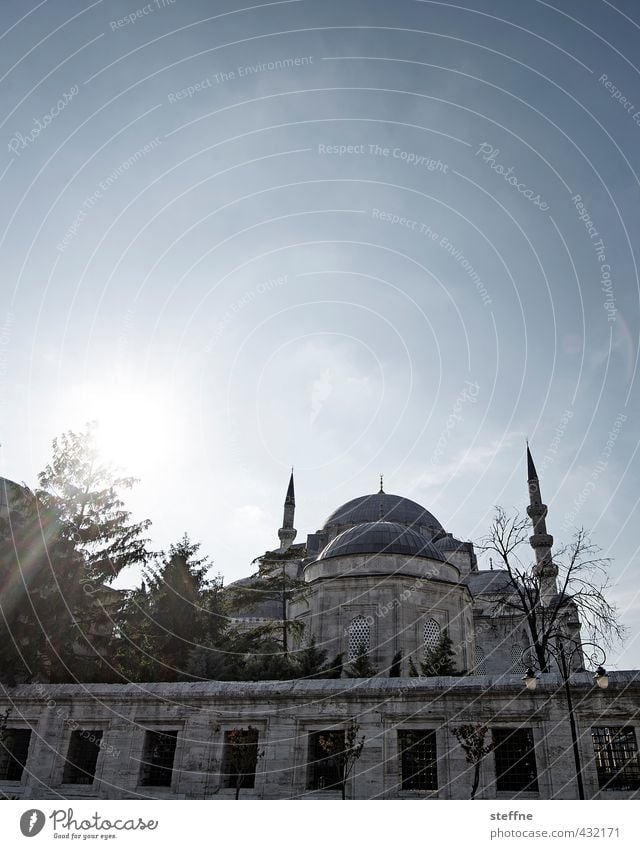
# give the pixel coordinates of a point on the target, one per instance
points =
(558, 651)
(601, 678)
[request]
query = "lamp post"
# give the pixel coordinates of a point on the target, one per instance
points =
(563, 658)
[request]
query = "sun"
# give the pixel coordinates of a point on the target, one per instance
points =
(134, 423)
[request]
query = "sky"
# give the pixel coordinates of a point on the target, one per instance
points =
(352, 237)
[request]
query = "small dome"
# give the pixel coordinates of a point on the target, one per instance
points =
(448, 543)
(382, 507)
(488, 581)
(380, 538)
(262, 608)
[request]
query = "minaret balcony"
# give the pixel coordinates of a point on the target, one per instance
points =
(541, 541)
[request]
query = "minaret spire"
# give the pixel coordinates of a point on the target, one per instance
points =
(541, 541)
(287, 532)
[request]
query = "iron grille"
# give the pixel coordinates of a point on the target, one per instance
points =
(480, 665)
(431, 634)
(13, 753)
(240, 758)
(517, 664)
(82, 757)
(359, 637)
(324, 770)
(616, 756)
(157, 760)
(418, 760)
(515, 760)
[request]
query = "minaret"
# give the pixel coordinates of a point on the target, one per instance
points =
(287, 532)
(541, 542)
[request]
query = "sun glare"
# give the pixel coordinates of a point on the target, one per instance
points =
(134, 424)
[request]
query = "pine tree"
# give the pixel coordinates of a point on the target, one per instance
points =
(85, 492)
(395, 670)
(42, 600)
(335, 667)
(439, 660)
(311, 660)
(177, 614)
(361, 666)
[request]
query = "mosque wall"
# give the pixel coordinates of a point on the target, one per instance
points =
(285, 716)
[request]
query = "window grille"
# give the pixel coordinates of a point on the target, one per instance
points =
(325, 760)
(480, 665)
(359, 637)
(14, 749)
(517, 664)
(240, 758)
(418, 760)
(515, 760)
(431, 634)
(82, 757)
(616, 756)
(157, 759)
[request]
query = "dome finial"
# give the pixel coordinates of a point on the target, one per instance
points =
(381, 483)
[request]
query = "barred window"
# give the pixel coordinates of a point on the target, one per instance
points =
(157, 758)
(82, 757)
(517, 664)
(616, 756)
(431, 634)
(515, 759)
(324, 771)
(359, 637)
(418, 760)
(14, 749)
(240, 758)
(480, 665)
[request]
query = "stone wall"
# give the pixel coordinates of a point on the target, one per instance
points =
(285, 713)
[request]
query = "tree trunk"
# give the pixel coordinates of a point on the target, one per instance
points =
(476, 780)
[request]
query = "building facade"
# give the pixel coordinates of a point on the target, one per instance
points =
(174, 741)
(381, 577)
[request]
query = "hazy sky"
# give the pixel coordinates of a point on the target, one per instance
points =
(354, 237)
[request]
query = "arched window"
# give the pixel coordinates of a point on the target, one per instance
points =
(517, 664)
(430, 634)
(479, 666)
(359, 636)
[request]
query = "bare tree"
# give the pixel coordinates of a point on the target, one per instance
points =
(582, 583)
(471, 738)
(242, 756)
(344, 750)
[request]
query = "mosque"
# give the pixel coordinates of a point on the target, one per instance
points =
(381, 576)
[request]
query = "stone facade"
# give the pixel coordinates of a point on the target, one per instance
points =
(382, 575)
(286, 714)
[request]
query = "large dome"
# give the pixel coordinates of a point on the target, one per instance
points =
(380, 538)
(382, 507)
